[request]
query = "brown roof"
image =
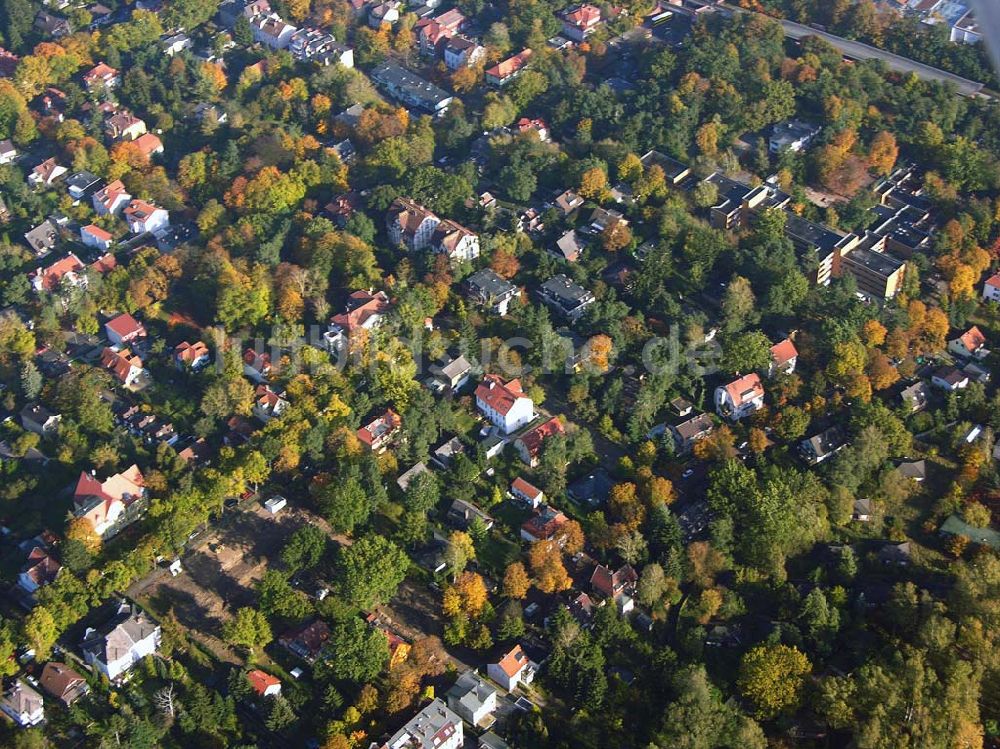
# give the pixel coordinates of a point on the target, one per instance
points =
(100, 72)
(544, 523)
(610, 584)
(62, 682)
(41, 567)
(148, 144)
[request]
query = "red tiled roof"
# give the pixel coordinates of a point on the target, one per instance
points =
(510, 66)
(523, 487)
(744, 389)
(120, 363)
(53, 274)
(584, 16)
(533, 439)
(783, 352)
(97, 232)
(512, 663)
(545, 523)
(124, 325)
(498, 395)
(104, 263)
(384, 424)
(189, 352)
(610, 584)
(994, 281)
(260, 681)
(973, 339)
(41, 567)
(360, 307)
(148, 144)
(101, 71)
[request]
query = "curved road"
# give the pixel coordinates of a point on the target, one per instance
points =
(861, 51)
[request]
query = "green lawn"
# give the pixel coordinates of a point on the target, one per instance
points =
(496, 552)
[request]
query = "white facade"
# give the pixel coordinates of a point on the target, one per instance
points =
(508, 411)
(158, 219)
(991, 289)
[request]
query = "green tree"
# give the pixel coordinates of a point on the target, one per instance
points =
(746, 352)
(248, 629)
(40, 631)
(356, 652)
(305, 548)
(279, 599)
(344, 503)
(738, 304)
(373, 568)
(772, 677)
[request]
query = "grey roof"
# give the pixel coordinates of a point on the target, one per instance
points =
(82, 180)
(119, 635)
(786, 133)
(881, 263)
(487, 284)
(22, 698)
(806, 234)
(569, 244)
(409, 87)
(916, 470)
(594, 488)
(565, 292)
(37, 413)
(471, 691)
(452, 369)
(694, 427)
(43, 237)
(6, 146)
(428, 729)
(407, 476)
(449, 449)
(490, 740)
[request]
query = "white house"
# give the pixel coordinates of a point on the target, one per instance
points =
(529, 493)
(263, 683)
(94, 236)
(410, 224)
(110, 199)
(504, 404)
(268, 404)
(455, 241)
(784, 357)
(123, 329)
(434, 727)
(116, 646)
(143, 216)
(472, 699)
(23, 704)
(272, 31)
(461, 52)
(950, 379)
(991, 288)
(971, 344)
(513, 669)
(7, 152)
(740, 398)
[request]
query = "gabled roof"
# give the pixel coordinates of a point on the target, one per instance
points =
(100, 72)
(148, 144)
(97, 232)
(783, 352)
(993, 281)
(140, 210)
(361, 305)
(498, 395)
(62, 682)
(609, 583)
(972, 339)
(745, 389)
(512, 662)
(118, 637)
(533, 439)
(261, 681)
(510, 66)
(124, 325)
(523, 487)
